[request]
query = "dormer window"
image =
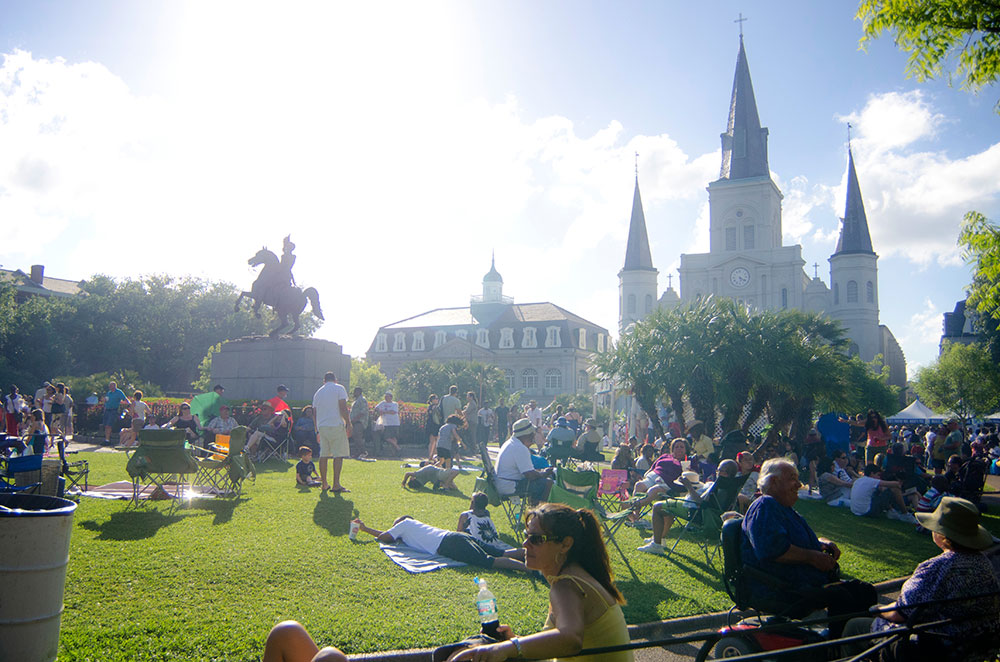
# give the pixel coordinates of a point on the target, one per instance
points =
(552, 338)
(399, 342)
(381, 343)
(418, 341)
(463, 334)
(528, 338)
(506, 338)
(583, 339)
(440, 338)
(483, 338)
(600, 342)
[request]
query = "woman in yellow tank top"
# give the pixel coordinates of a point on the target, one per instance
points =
(584, 604)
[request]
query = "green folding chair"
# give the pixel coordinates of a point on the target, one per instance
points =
(225, 476)
(513, 505)
(706, 519)
(161, 461)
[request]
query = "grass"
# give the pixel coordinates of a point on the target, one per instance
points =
(209, 581)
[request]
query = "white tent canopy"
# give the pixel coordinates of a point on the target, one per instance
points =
(916, 412)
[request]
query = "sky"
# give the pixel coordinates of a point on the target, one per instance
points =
(402, 144)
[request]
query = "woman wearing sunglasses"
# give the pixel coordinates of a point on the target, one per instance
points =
(585, 611)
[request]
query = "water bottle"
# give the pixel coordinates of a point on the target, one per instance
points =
(486, 604)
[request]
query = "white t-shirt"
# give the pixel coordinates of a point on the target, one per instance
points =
(535, 416)
(139, 409)
(326, 402)
(388, 412)
(513, 461)
(861, 494)
(418, 535)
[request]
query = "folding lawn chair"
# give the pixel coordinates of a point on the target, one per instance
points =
(225, 473)
(21, 474)
(578, 489)
(271, 447)
(74, 472)
(613, 490)
(161, 459)
(707, 517)
(513, 505)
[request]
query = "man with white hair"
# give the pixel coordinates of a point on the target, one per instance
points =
(779, 542)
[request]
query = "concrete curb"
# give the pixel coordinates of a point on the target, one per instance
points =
(638, 632)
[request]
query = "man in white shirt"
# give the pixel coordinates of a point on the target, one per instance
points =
(333, 425)
(871, 496)
(388, 416)
(515, 470)
(452, 544)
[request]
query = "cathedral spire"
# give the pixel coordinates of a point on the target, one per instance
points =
(744, 144)
(637, 256)
(854, 235)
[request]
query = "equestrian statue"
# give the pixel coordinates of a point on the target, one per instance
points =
(275, 287)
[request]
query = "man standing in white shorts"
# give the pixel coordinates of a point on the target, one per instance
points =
(333, 426)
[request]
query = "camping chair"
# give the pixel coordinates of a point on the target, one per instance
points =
(161, 459)
(74, 472)
(707, 517)
(21, 474)
(226, 474)
(513, 505)
(613, 489)
(578, 489)
(273, 447)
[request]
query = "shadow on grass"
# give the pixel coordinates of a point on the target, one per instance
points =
(653, 593)
(132, 524)
(223, 509)
(274, 465)
(333, 512)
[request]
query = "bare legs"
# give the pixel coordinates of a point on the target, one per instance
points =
(338, 463)
(432, 448)
(289, 642)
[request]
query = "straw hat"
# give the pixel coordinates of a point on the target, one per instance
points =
(692, 478)
(522, 427)
(958, 520)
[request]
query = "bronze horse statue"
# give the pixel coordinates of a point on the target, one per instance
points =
(274, 288)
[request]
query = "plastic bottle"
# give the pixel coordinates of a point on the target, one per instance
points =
(486, 604)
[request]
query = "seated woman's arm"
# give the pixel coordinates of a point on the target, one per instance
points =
(463, 523)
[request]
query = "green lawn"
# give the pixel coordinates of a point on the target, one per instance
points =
(208, 582)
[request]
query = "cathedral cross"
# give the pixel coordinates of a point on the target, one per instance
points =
(815, 269)
(741, 21)
(670, 279)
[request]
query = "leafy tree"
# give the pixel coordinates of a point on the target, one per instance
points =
(204, 381)
(370, 378)
(416, 381)
(963, 380)
(127, 380)
(980, 242)
(937, 32)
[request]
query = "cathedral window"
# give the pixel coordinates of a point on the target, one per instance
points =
(553, 378)
(649, 304)
(418, 341)
(463, 334)
(440, 338)
(631, 305)
(870, 292)
(528, 338)
(836, 293)
(582, 381)
(600, 342)
(529, 379)
(381, 343)
(852, 291)
(506, 338)
(730, 239)
(399, 342)
(583, 339)
(747, 237)
(509, 376)
(483, 338)
(552, 338)
(784, 298)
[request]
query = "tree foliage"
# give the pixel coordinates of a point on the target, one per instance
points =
(159, 326)
(726, 361)
(416, 381)
(370, 378)
(937, 32)
(980, 243)
(963, 380)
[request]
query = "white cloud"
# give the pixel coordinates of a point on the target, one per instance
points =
(922, 334)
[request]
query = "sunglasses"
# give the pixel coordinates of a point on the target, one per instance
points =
(539, 538)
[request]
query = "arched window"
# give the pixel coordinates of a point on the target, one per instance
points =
(509, 374)
(784, 298)
(836, 293)
(870, 292)
(631, 305)
(440, 338)
(418, 341)
(529, 379)
(748, 237)
(483, 338)
(462, 333)
(381, 343)
(399, 342)
(730, 239)
(506, 338)
(583, 339)
(529, 339)
(649, 304)
(852, 291)
(553, 378)
(582, 381)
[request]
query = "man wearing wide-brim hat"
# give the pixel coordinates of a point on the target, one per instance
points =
(960, 571)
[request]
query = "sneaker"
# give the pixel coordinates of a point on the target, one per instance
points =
(652, 548)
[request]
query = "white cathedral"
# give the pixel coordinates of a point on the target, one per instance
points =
(746, 260)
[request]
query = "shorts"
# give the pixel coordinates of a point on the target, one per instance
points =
(333, 442)
(110, 416)
(681, 508)
(390, 432)
(137, 424)
(535, 489)
(444, 452)
(651, 481)
(463, 547)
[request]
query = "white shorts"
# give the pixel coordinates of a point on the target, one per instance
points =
(651, 481)
(333, 442)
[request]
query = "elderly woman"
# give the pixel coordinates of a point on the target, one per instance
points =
(960, 571)
(584, 604)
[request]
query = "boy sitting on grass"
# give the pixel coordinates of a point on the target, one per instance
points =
(305, 470)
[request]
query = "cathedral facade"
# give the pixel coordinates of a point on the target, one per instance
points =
(746, 259)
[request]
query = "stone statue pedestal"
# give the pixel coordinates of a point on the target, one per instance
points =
(251, 368)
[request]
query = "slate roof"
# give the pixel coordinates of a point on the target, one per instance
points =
(514, 313)
(637, 255)
(49, 286)
(854, 235)
(744, 152)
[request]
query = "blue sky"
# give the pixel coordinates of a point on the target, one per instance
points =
(401, 143)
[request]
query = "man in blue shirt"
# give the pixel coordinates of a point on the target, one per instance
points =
(779, 542)
(112, 406)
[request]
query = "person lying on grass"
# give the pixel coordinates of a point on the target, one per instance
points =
(435, 473)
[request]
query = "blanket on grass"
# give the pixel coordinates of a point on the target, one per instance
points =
(417, 561)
